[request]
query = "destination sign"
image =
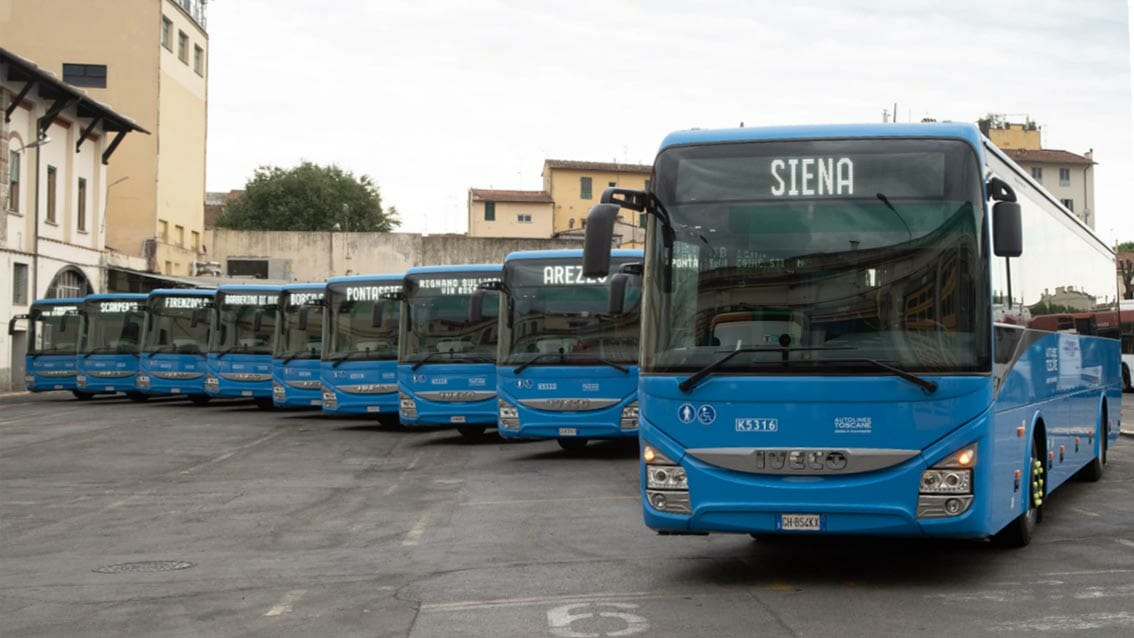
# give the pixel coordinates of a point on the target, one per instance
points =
(464, 286)
(58, 311)
(185, 303)
(563, 272)
(304, 298)
(248, 300)
(120, 306)
(370, 293)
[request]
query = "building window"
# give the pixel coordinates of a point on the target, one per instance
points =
(196, 237)
(1069, 203)
(163, 230)
(641, 220)
(647, 187)
(88, 75)
(180, 230)
(524, 219)
(611, 184)
(50, 194)
(81, 208)
(1037, 173)
(13, 181)
(199, 60)
(490, 211)
(183, 47)
(1064, 177)
(20, 284)
(167, 33)
(584, 188)
(168, 268)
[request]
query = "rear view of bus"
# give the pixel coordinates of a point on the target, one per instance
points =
(447, 347)
(54, 335)
(360, 345)
(568, 358)
(240, 345)
(299, 346)
(175, 343)
(108, 359)
(838, 334)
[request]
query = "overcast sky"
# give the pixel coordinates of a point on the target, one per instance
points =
(431, 98)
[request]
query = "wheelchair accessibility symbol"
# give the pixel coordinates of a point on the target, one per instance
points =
(706, 414)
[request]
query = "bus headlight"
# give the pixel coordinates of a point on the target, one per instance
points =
(212, 384)
(278, 392)
(81, 381)
(508, 415)
(407, 406)
(629, 420)
(330, 401)
(946, 489)
(667, 489)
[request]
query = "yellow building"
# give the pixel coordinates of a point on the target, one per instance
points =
(503, 213)
(577, 186)
(149, 58)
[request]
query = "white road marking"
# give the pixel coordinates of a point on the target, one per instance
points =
(1075, 622)
(529, 501)
(1125, 542)
(1085, 512)
(409, 468)
(559, 619)
(227, 455)
(468, 605)
(415, 534)
(284, 606)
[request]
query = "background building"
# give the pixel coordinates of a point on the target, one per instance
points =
(149, 58)
(1067, 176)
(500, 213)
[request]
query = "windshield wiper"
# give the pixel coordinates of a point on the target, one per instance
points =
(471, 357)
(106, 350)
(695, 378)
(925, 384)
(338, 359)
(543, 355)
(228, 350)
(563, 359)
(288, 356)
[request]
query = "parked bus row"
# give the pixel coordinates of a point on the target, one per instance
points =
(841, 330)
(529, 345)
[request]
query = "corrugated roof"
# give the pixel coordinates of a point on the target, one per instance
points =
(606, 167)
(1047, 156)
(528, 197)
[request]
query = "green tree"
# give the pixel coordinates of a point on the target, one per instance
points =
(309, 197)
(1125, 247)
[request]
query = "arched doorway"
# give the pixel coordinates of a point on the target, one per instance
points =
(69, 282)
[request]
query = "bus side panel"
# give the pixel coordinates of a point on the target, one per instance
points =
(441, 378)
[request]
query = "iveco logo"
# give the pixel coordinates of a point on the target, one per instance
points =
(456, 395)
(568, 404)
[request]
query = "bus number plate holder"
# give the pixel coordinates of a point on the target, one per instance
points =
(245, 393)
(456, 419)
(568, 432)
(801, 522)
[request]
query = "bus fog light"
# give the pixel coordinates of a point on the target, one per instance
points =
(330, 401)
(508, 415)
(934, 506)
(629, 420)
(406, 406)
(673, 502)
(953, 507)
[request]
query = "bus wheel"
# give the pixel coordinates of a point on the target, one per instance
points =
(264, 403)
(136, 397)
(572, 444)
(199, 399)
(1019, 532)
(82, 396)
(472, 432)
(1093, 471)
(1126, 387)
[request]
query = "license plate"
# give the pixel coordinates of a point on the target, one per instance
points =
(110, 388)
(316, 402)
(456, 419)
(567, 431)
(373, 408)
(175, 390)
(245, 393)
(801, 522)
(59, 387)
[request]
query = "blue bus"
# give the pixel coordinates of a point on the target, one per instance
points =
(240, 344)
(175, 343)
(567, 365)
(298, 347)
(447, 347)
(360, 345)
(54, 335)
(836, 340)
(108, 358)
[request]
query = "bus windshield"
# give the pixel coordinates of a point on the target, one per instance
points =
(361, 323)
(245, 323)
(113, 326)
(859, 251)
(54, 330)
(178, 325)
(553, 309)
(301, 325)
(439, 319)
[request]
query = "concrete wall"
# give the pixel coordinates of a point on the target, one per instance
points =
(317, 256)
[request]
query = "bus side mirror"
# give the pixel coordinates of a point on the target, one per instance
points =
(12, 323)
(258, 320)
(195, 318)
(600, 234)
(376, 314)
(476, 305)
(301, 321)
(1007, 230)
(618, 283)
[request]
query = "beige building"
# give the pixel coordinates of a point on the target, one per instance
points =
(514, 214)
(577, 186)
(1067, 176)
(55, 146)
(149, 58)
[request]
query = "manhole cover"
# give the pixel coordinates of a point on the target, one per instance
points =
(144, 567)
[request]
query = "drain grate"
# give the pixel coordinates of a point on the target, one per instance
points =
(144, 567)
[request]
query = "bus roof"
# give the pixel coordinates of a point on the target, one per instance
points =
(362, 279)
(569, 253)
(959, 130)
(115, 295)
(309, 286)
(227, 288)
(58, 301)
(183, 292)
(452, 269)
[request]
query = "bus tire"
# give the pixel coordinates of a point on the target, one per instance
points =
(571, 444)
(199, 399)
(1019, 532)
(136, 397)
(1126, 386)
(472, 432)
(83, 396)
(264, 403)
(1093, 471)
